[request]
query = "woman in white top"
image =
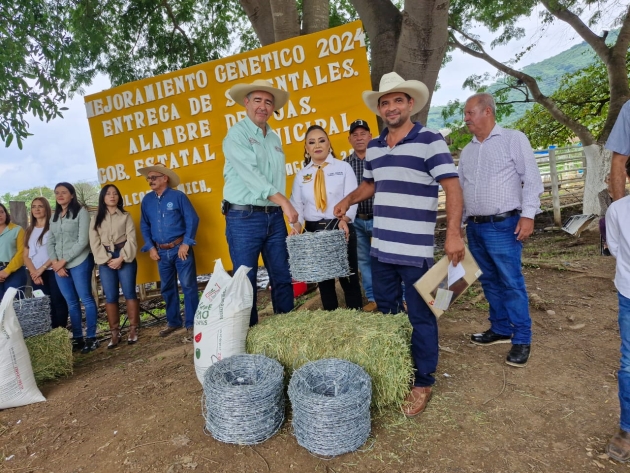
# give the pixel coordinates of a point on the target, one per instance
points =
(322, 182)
(38, 263)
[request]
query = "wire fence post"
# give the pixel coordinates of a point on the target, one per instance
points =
(555, 192)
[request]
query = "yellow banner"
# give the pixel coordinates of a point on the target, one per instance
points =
(180, 119)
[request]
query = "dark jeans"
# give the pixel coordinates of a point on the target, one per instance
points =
(58, 304)
(112, 278)
(386, 280)
(350, 285)
(248, 235)
(170, 266)
(16, 279)
(498, 254)
(77, 288)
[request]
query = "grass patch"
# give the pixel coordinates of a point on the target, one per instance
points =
(51, 354)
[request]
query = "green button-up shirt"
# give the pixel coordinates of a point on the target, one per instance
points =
(254, 165)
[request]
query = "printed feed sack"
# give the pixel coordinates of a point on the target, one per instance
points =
(222, 318)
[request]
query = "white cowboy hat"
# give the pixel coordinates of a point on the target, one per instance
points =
(173, 179)
(391, 83)
(238, 92)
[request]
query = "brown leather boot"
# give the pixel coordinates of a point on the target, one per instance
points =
(113, 317)
(133, 312)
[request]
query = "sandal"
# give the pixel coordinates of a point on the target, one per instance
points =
(133, 335)
(115, 338)
(619, 446)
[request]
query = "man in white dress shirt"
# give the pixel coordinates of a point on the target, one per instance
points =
(502, 187)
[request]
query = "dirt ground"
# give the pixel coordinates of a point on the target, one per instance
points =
(138, 408)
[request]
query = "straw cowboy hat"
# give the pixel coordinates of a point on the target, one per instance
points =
(239, 91)
(173, 179)
(391, 83)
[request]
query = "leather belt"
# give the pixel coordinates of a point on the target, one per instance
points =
(256, 208)
(117, 246)
(365, 216)
(173, 244)
(493, 218)
(321, 225)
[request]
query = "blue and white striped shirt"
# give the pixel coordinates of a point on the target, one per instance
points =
(406, 194)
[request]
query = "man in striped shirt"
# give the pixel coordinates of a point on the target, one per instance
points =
(402, 169)
(502, 188)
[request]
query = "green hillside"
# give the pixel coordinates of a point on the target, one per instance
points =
(547, 72)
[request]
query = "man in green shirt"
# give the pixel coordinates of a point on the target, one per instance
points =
(254, 200)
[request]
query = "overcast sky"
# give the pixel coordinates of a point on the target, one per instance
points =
(62, 149)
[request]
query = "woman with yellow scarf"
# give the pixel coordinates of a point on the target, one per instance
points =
(322, 182)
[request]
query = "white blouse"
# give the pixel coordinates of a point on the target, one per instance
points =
(340, 181)
(36, 252)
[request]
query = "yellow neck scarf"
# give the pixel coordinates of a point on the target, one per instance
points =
(320, 188)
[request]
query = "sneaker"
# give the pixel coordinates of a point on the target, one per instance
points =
(168, 330)
(489, 338)
(518, 356)
(91, 344)
(619, 446)
(416, 401)
(77, 344)
(370, 307)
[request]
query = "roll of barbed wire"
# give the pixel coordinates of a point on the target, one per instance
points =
(330, 399)
(33, 315)
(243, 400)
(318, 256)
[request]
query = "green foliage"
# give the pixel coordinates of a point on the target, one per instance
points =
(583, 95)
(36, 57)
(87, 193)
(28, 195)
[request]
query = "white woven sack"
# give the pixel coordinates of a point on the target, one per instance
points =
(222, 317)
(17, 383)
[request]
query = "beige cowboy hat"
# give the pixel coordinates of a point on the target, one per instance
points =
(173, 179)
(239, 91)
(391, 83)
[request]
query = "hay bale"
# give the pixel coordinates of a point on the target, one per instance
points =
(377, 343)
(51, 354)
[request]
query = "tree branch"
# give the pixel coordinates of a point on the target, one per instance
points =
(580, 130)
(562, 13)
(171, 15)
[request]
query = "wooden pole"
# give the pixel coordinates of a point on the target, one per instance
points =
(555, 193)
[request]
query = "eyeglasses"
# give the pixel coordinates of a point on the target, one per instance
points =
(153, 178)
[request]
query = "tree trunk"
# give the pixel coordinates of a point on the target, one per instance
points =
(422, 44)
(597, 166)
(285, 19)
(259, 14)
(315, 15)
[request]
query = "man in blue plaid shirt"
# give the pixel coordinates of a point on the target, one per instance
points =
(359, 138)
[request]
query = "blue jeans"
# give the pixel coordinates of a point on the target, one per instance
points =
(125, 276)
(248, 235)
(424, 338)
(170, 266)
(58, 304)
(623, 375)
(77, 288)
(364, 243)
(16, 279)
(498, 254)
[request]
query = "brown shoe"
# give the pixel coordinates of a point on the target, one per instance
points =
(416, 401)
(619, 446)
(370, 307)
(168, 330)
